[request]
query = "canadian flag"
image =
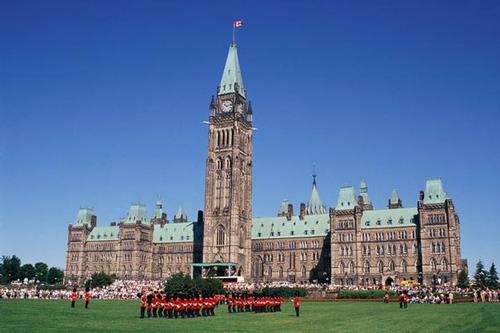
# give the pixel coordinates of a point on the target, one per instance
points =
(237, 24)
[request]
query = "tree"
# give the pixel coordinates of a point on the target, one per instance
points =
(27, 271)
(182, 283)
(463, 279)
(492, 277)
(11, 269)
(480, 275)
(41, 270)
(54, 275)
(100, 280)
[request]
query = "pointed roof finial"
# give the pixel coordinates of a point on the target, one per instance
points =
(315, 205)
(232, 81)
(314, 174)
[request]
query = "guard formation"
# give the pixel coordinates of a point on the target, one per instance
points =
(158, 304)
(245, 302)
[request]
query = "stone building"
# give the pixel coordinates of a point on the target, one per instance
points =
(351, 243)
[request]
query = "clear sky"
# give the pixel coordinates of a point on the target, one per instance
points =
(102, 103)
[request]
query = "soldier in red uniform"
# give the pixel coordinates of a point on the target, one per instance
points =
(143, 304)
(87, 297)
(74, 296)
(296, 304)
(149, 301)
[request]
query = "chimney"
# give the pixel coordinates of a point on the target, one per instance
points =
(200, 216)
(289, 213)
(421, 196)
(302, 210)
(113, 224)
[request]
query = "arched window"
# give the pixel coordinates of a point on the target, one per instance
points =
(270, 272)
(404, 266)
(442, 247)
(351, 267)
(304, 272)
(380, 267)
(392, 266)
(280, 272)
(220, 235)
(433, 265)
(341, 267)
(367, 267)
(444, 265)
(228, 163)
(242, 237)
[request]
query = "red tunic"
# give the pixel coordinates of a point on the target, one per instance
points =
(296, 302)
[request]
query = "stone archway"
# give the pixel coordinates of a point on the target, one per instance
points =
(389, 281)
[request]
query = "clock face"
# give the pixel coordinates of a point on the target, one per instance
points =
(227, 106)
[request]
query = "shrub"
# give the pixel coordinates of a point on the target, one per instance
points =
(98, 280)
(283, 292)
(365, 294)
(181, 283)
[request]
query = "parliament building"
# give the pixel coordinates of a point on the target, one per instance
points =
(351, 243)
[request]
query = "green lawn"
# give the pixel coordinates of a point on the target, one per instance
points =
(122, 316)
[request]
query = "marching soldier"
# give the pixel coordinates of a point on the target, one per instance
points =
(143, 304)
(296, 304)
(74, 296)
(87, 297)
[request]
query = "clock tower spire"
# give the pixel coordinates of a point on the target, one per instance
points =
(228, 179)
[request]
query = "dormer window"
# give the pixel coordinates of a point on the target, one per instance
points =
(259, 234)
(379, 222)
(305, 232)
(161, 238)
(367, 223)
(291, 233)
(401, 220)
(389, 221)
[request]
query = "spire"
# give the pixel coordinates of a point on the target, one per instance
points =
(395, 201)
(315, 206)
(180, 216)
(363, 191)
(232, 81)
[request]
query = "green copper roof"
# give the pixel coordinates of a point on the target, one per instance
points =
(394, 197)
(232, 73)
(104, 234)
(363, 191)
(84, 216)
(315, 206)
(283, 207)
(280, 227)
(136, 212)
(346, 199)
(434, 192)
(174, 232)
(389, 218)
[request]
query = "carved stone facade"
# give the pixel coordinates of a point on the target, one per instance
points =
(351, 243)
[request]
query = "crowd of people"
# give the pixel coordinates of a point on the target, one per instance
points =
(129, 289)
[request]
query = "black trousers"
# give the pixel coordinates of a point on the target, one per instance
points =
(149, 312)
(72, 304)
(86, 304)
(297, 311)
(142, 312)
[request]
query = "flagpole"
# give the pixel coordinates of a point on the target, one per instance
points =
(234, 29)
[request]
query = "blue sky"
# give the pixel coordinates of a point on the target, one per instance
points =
(102, 103)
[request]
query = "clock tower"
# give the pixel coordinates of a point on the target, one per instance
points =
(228, 180)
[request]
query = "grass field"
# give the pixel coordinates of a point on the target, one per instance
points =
(122, 316)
